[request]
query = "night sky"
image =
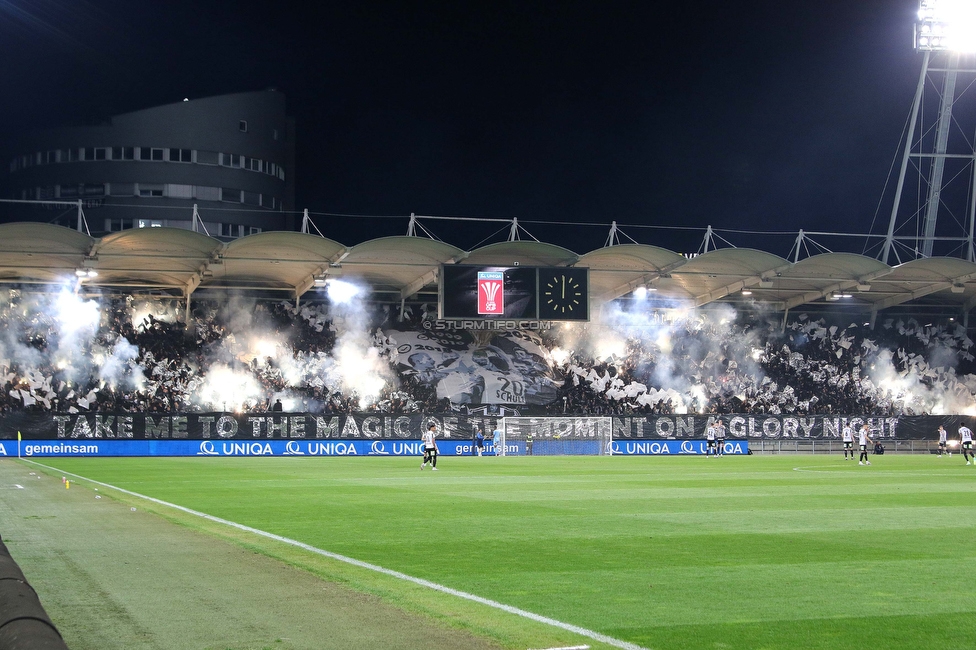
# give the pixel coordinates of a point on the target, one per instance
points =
(753, 116)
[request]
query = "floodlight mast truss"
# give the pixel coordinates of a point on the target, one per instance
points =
(939, 155)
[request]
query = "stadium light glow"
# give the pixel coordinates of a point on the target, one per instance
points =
(640, 292)
(946, 25)
(340, 291)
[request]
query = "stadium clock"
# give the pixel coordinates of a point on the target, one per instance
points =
(564, 294)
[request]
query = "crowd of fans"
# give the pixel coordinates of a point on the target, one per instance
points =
(140, 356)
(713, 365)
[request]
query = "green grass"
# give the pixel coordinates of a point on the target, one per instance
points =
(740, 552)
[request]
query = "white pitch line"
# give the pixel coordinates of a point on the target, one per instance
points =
(570, 647)
(582, 631)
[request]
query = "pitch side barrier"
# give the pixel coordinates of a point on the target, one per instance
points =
(368, 434)
(24, 625)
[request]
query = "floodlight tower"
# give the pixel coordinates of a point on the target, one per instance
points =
(940, 146)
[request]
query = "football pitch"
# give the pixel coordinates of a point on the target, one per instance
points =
(651, 552)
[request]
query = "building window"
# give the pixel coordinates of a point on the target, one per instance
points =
(149, 223)
(205, 193)
(253, 230)
(48, 192)
(180, 155)
(123, 153)
(207, 157)
(230, 195)
(122, 189)
(149, 153)
(242, 126)
(231, 230)
(51, 157)
(101, 153)
(149, 190)
(117, 225)
(68, 191)
(174, 191)
(93, 189)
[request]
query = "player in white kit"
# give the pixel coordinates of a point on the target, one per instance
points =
(943, 441)
(966, 438)
(863, 439)
(847, 434)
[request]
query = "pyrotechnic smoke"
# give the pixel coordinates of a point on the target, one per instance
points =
(358, 364)
(118, 366)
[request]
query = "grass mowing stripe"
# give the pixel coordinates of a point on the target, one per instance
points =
(590, 634)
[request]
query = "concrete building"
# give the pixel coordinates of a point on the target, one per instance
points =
(231, 156)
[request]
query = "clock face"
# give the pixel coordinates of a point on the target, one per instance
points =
(563, 295)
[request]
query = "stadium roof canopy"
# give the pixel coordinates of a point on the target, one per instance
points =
(179, 262)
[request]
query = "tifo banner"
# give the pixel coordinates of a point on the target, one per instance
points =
(510, 368)
(360, 426)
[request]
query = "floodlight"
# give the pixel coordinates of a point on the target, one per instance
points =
(946, 25)
(640, 292)
(746, 292)
(958, 288)
(81, 273)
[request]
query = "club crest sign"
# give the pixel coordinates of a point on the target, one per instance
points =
(491, 296)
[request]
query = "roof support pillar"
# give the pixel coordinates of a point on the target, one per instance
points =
(970, 254)
(198, 221)
(913, 121)
(799, 242)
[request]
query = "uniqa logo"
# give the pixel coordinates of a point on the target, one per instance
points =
(207, 449)
(613, 448)
(331, 449)
(247, 449)
(292, 449)
(653, 448)
(688, 448)
(378, 449)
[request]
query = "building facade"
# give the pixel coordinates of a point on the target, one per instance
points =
(225, 162)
